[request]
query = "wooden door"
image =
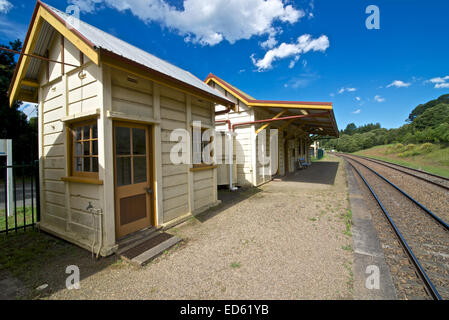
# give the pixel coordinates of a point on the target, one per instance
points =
(133, 164)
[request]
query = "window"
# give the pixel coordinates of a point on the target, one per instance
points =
(85, 149)
(199, 145)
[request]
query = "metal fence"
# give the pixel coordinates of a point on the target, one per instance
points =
(19, 197)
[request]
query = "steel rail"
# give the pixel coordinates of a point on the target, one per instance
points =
(387, 164)
(422, 273)
(430, 213)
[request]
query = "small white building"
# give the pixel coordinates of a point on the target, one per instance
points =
(106, 112)
(296, 121)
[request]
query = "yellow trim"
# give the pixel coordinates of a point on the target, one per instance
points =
(26, 95)
(285, 125)
(82, 180)
(41, 15)
(30, 83)
(26, 59)
(267, 124)
(71, 36)
(294, 106)
(278, 105)
(203, 168)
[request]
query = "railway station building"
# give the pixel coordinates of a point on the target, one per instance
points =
(296, 122)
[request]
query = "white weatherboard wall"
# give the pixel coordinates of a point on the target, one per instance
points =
(242, 142)
(251, 171)
(108, 94)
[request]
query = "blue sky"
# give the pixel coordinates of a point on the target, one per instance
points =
(286, 50)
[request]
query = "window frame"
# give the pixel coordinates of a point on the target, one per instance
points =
(212, 152)
(72, 158)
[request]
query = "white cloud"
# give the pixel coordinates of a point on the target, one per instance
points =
(442, 85)
(379, 98)
(5, 6)
(208, 22)
(293, 62)
(357, 111)
(357, 98)
(399, 84)
(439, 79)
(346, 89)
(270, 42)
(302, 81)
(440, 82)
(304, 44)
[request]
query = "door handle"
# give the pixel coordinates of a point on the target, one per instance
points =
(149, 190)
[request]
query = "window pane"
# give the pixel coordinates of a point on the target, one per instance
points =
(86, 132)
(95, 147)
(140, 169)
(86, 162)
(94, 131)
(95, 164)
(123, 171)
(78, 164)
(78, 149)
(86, 147)
(139, 141)
(122, 140)
(78, 133)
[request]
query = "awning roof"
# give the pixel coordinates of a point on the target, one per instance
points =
(322, 125)
(46, 20)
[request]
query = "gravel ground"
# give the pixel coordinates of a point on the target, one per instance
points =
(284, 240)
(435, 198)
(428, 240)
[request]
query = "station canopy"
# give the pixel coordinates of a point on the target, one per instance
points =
(319, 116)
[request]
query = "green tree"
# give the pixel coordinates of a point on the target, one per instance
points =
(13, 122)
(350, 129)
(423, 107)
(432, 117)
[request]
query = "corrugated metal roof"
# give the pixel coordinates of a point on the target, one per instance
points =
(101, 39)
(43, 41)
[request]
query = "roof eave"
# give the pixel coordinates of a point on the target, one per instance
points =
(167, 80)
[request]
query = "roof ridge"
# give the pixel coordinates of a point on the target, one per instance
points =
(121, 40)
(99, 39)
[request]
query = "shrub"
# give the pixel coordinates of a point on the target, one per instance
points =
(426, 147)
(398, 147)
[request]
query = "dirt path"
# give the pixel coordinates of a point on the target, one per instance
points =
(284, 240)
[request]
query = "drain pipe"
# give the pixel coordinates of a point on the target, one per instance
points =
(231, 135)
(99, 213)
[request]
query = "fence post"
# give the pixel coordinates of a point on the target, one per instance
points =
(38, 192)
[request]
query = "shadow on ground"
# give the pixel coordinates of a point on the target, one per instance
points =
(31, 259)
(320, 172)
(228, 199)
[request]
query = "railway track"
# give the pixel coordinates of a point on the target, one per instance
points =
(434, 179)
(423, 235)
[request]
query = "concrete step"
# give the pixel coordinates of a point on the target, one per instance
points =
(135, 239)
(144, 251)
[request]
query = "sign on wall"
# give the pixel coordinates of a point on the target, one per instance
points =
(6, 151)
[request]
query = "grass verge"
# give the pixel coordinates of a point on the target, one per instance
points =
(27, 213)
(428, 157)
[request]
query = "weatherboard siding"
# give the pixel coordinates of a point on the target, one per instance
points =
(64, 203)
